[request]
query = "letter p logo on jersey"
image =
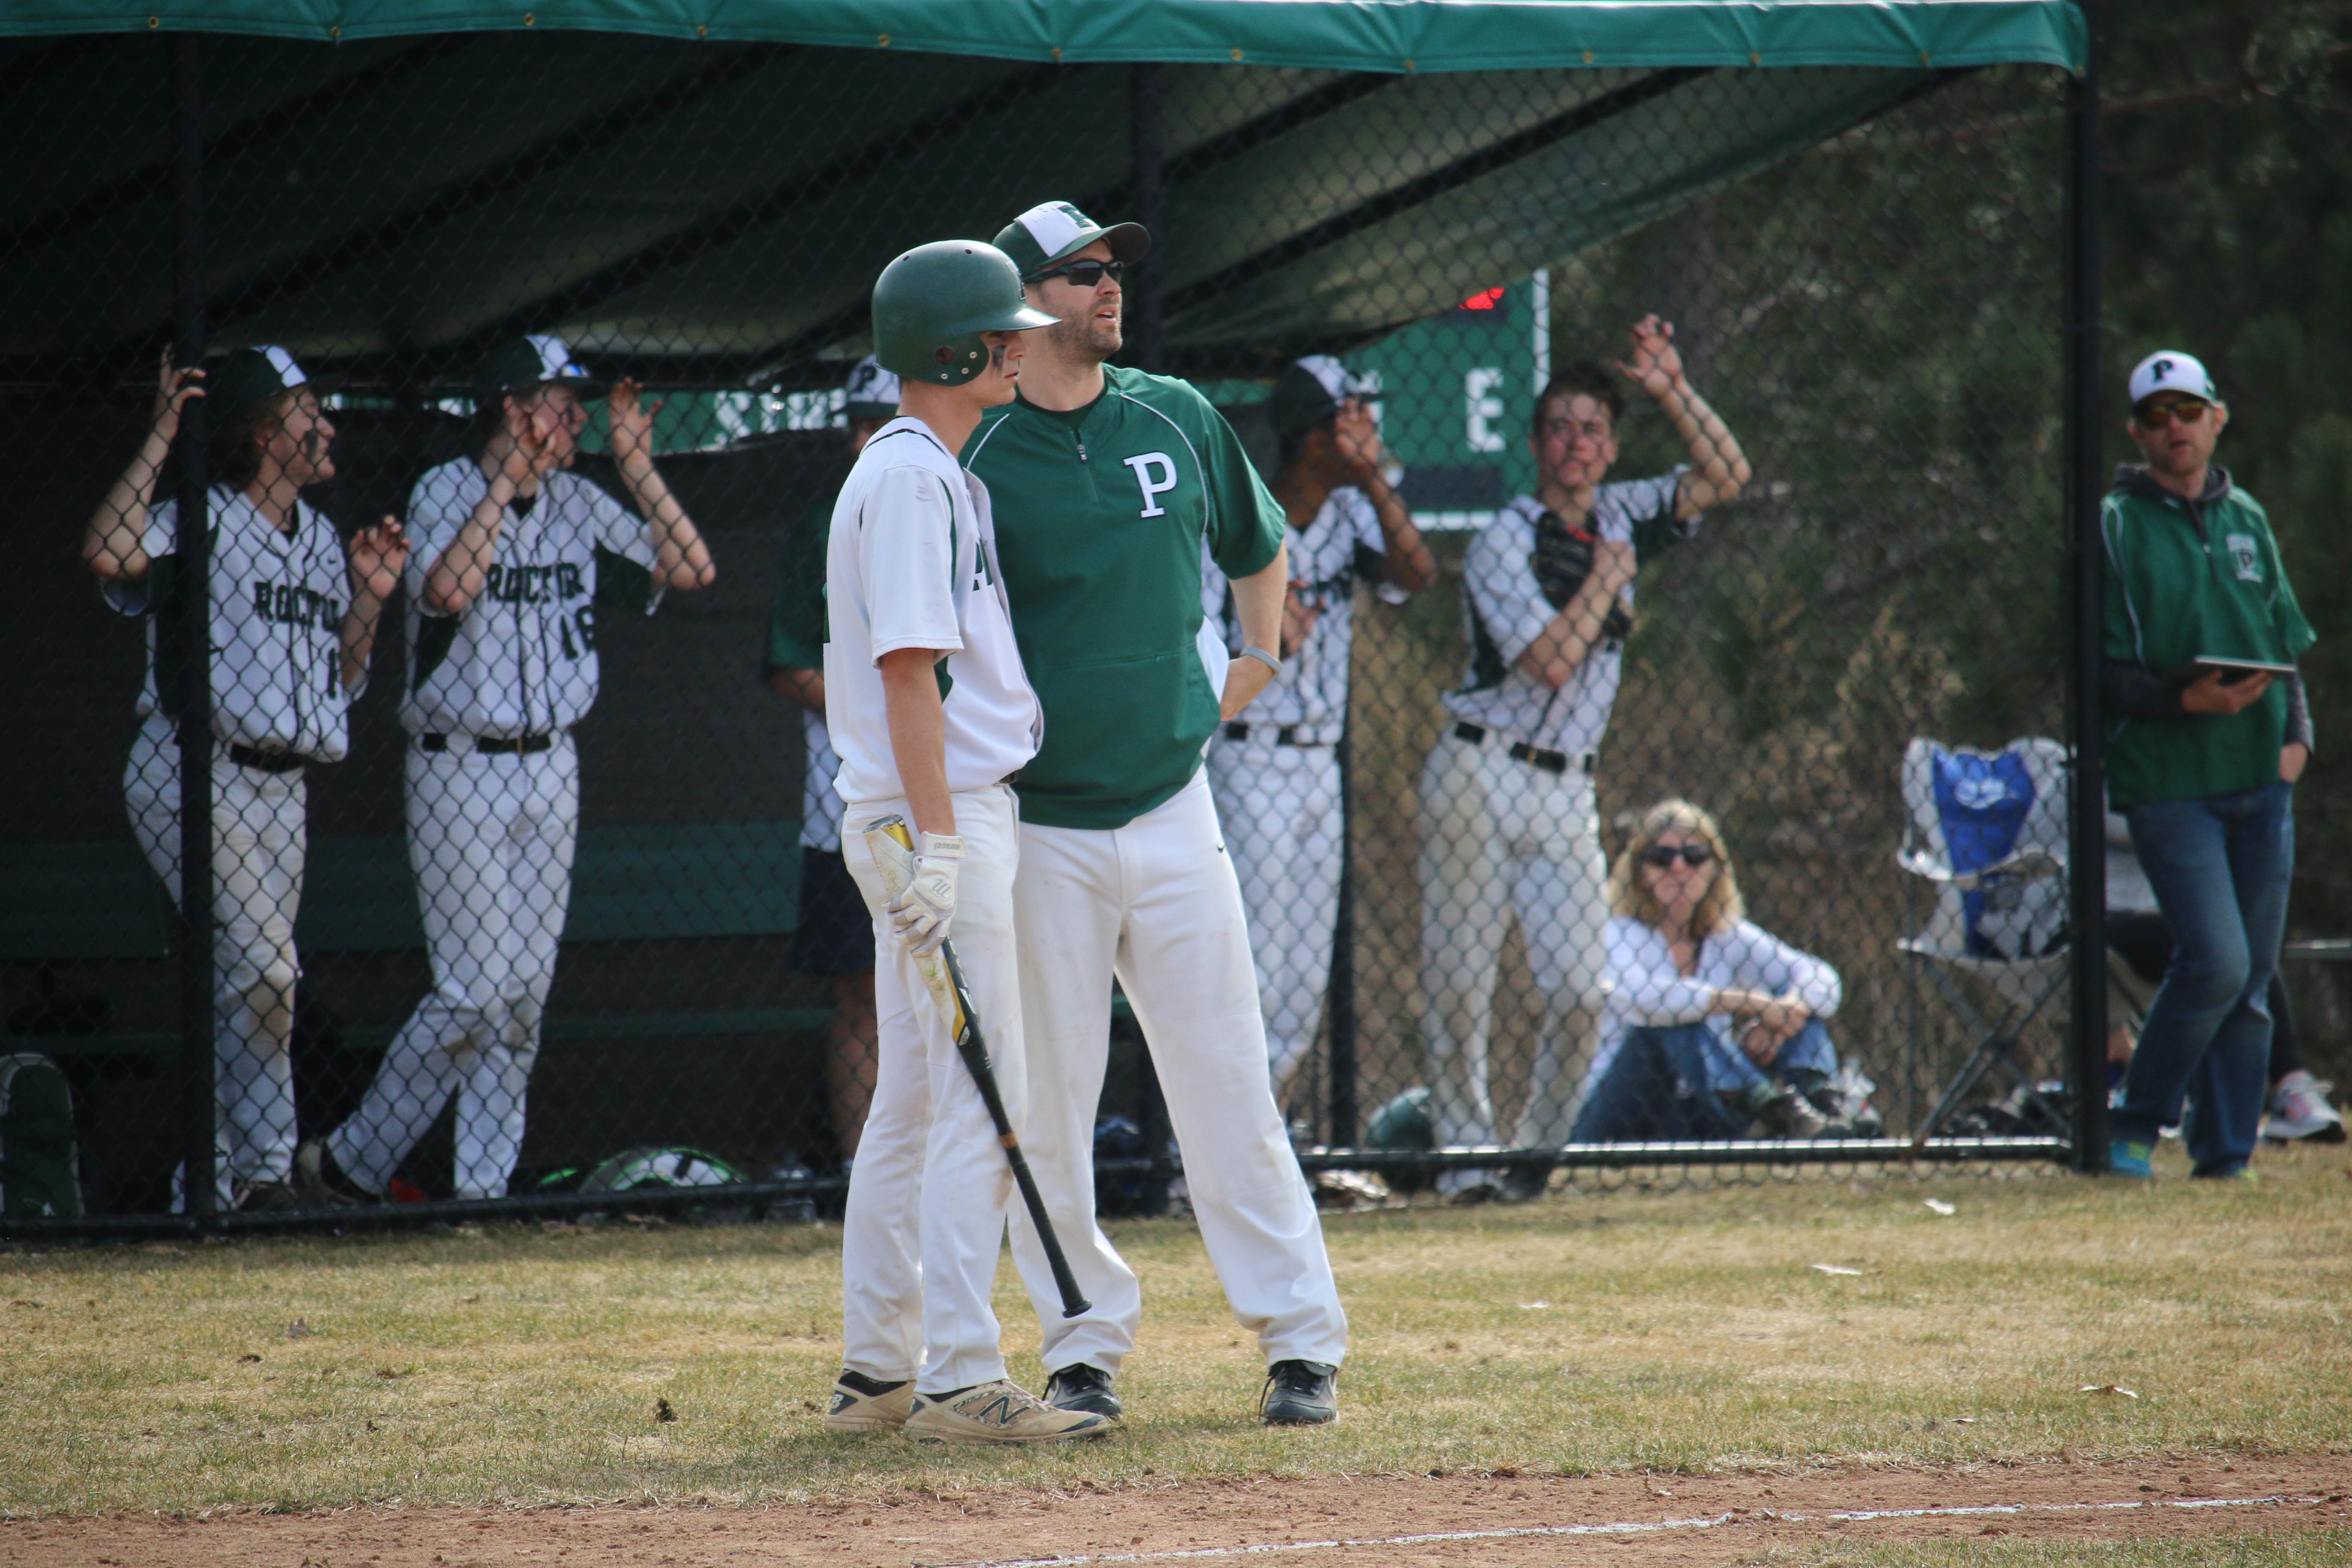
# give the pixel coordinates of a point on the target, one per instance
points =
(1155, 474)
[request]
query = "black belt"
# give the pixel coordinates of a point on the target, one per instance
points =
(489, 745)
(1534, 756)
(267, 761)
(1287, 735)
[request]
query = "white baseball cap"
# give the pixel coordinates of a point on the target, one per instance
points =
(872, 391)
(2168, 370)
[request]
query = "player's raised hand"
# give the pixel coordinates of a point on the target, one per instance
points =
(173, 388)
(632, 420)
(378, 556)
(1356, 438)
(1656, 365)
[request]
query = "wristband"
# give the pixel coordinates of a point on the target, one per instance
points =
(1263, 657)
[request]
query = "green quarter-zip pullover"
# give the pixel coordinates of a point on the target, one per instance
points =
(1100, 515)
(2190, 578)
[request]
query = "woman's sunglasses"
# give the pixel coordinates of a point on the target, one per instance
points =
(1665, 855)
(1084, 274)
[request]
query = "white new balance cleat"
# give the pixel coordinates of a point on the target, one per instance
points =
(862, 1404)
(999, 1412)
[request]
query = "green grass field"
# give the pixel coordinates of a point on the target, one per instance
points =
(1587, 1333)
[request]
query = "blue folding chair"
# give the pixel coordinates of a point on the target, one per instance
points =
(1988, 829)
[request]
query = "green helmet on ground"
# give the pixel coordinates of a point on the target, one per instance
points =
(931, 304)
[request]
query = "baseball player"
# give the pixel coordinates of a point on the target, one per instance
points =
(293, 614)
(834, 935)
(1507, 818)
(514, 556)
(1108, 481)
(931, 714)
(1273, 770)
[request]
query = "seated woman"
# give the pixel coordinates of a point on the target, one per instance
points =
(1713, 1024)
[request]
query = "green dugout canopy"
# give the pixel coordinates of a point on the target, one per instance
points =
(703, 190)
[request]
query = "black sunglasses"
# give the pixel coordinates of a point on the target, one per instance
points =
(1663, 854)
(1084, 274)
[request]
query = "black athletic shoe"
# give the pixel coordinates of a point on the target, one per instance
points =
(1300, 1394)
(1083, 1387)
(322, 1184)
(263, 1197)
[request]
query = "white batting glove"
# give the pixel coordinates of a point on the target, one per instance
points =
(919, 916)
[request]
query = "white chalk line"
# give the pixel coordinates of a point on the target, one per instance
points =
(1638, 1526)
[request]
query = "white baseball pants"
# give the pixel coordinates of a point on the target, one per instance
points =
(260, 843)
(1501, 839)
(1280, 808)
(491, 842)
(929, 1189)
(1156, 904)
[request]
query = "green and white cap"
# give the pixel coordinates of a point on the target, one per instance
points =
(2168, 370)
(539, 360)
(872, 391)
(1051, 230)
(250, 376)
(1309, 391)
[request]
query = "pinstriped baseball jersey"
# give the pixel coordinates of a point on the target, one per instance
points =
(1341, 543)
(277, 605)
(1507, 611)
(520, 658)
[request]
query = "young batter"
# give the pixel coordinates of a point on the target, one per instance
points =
(931, 714)
(1109, 480)
(514, 558)
(293, 617)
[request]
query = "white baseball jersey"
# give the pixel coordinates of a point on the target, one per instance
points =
(1328, 555)
(277, 604)
(520, 658)
(1507, 611)
(911, 563)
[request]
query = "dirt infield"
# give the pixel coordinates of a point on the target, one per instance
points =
(1494, 1520)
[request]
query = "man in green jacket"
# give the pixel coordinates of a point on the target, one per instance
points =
(1105, 482)
(2204, 744)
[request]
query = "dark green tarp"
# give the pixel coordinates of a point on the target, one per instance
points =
(714, 212)
(1338, 35)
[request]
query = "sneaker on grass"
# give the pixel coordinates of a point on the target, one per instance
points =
(2129, 1157)
(1300, 1394)
(2299, 1110)
(1083, 1387)
(862, 1404)
(999, 1412)
(324, 1185)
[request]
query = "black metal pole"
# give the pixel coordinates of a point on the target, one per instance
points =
(1145, 349)
(2086, 596)
(1344, 1111)
(194, 630)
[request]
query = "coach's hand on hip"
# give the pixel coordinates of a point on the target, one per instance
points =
(919, 917)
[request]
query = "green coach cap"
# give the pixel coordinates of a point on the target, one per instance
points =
(539, 360)
(1051, 230)
(250, 376)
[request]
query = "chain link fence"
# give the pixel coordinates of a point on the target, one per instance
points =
(1665, 455)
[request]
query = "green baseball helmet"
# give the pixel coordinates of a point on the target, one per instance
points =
(931, 304)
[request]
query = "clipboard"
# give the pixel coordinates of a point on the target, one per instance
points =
(2233, 670)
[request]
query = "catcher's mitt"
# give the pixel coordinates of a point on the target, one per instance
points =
(1562, 561)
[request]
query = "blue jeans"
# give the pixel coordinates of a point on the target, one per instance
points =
(1669, 1082)
(2220, 868)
